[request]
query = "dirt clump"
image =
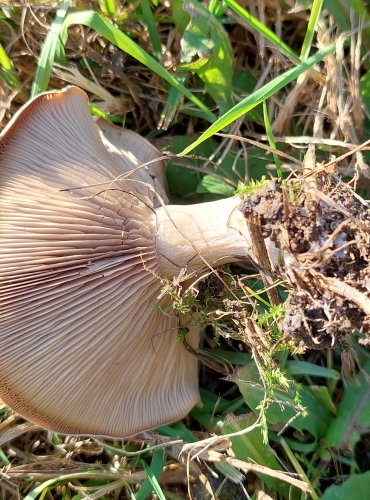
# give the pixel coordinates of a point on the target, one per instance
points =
(321, 229)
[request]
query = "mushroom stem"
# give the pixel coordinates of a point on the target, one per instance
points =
(193, 236)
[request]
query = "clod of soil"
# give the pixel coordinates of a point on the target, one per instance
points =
(322, 231)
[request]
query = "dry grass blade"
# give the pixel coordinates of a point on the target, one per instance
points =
(107, 102)
(213, 456)
(359, 147)
(9, 422)
(17, 431)
(283, 476)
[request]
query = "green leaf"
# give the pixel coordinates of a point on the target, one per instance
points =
(210, 184)
(182, 179)
(234, 357)
(212, 402)
(206, 51)
(212, 406)
(250, 447)
(284, 409)
(294, 444)
(177, 430)
(184, 182)
(353, 417)
(356, 486)
(180, 16)
(302, 368)
(322, 394)
(298, 468)
(96, 22)
(257, 97)
(212, 6)
(341, 12)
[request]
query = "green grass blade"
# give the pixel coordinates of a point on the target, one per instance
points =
(220, 11)
(177, 430)
(47, 56)
(271, 140)
(263, 30)
(152, 28)
(258, 97)
(212, 6)
(108, 7)
(96, 22)
(170, 108)
(298, 468)
(154, 473)
(4, 458)
(314, 17)
(50, 483)
(94, 110)
(8, 74)
(154, 482)
(5, 61)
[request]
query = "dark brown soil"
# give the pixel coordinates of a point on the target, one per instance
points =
(322, 229)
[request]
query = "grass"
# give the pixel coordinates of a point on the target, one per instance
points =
(258, 97)
(311, 28)
(264, 30)
(291, 422)
(47, 56)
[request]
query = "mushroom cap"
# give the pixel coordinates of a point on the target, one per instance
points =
(136, 155)
(85, 344)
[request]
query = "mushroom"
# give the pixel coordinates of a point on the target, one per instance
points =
(86, 345)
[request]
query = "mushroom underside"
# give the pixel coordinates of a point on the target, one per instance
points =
(86, 347)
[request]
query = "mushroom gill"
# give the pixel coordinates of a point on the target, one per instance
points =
(85, 347)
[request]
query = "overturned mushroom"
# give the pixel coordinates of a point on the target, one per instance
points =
(85, 347)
